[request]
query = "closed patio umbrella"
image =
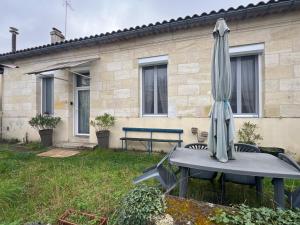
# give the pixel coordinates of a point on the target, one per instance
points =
(221, 132)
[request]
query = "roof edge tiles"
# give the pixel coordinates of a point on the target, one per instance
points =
(239, 13)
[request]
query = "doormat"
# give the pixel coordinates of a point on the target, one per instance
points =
(59, 153)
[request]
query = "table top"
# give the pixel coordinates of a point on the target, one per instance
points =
(246, 163)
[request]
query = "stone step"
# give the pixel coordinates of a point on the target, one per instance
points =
(76, 145)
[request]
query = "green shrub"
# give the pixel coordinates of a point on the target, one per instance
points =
(103, 122)
(257, 216)
(248, 134)
(42, 122)
(139, 206)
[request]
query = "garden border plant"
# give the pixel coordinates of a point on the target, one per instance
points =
(45, 125)
(140, 206)
(257, 216)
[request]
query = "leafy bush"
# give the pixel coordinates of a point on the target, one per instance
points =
(42, 122)
(139, 206)
(247, 134)
(103, 122)
(257, 216)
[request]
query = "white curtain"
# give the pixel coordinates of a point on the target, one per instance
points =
(233, 98)
(148, 90)
(248, 84)
(162, 90)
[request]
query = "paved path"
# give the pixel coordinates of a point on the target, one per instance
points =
(59, 153)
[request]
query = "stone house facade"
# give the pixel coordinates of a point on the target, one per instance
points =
(264, 39)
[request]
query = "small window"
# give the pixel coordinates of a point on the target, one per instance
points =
(47, 95)
(83, 81)
(245, 85)
(154, 90)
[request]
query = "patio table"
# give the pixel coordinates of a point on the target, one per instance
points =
(252, 164)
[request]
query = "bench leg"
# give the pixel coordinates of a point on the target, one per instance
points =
(148, 147)
(183, 182)
(126, 145)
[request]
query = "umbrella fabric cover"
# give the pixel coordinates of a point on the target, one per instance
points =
(221, 132)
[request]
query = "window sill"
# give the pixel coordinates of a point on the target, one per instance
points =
(155, 115)
(245, 116)
(82, 135)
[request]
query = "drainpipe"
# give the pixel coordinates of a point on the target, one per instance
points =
(1, 93)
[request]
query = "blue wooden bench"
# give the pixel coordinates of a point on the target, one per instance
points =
(150, 139)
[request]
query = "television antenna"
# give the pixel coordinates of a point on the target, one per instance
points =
(67, 5)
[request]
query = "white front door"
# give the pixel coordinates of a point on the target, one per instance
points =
(82, 105)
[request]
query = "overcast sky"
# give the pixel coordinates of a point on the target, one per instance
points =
(35, 18)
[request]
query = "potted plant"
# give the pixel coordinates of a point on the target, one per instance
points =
(102, 124)
(248, 134)
(45, 125)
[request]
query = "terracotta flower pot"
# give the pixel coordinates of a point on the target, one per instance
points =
(103, 138)
(46, 137)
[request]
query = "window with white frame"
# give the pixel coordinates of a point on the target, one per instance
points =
(154, 90)
(47, 95)
(245, 85)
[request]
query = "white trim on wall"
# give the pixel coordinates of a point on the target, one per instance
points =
(260, 85)
(252, 49)
(75, 102)
(150, 61)
(156, 60)
(243, 50)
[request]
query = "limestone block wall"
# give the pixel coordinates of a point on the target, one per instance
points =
(115, 83)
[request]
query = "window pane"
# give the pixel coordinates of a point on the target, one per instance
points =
(82, 81)
(249, 84)
(233, 99)
(148, 90)
(47, 95)
(162, 90)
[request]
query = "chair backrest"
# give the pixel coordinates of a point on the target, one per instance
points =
(246, 148)
(197, 146)
(289, 160)
(153, 130)
(166, 156)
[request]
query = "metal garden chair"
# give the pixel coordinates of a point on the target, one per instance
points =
(166, 177)
(200, 174)
(242, 179)
(293, 197)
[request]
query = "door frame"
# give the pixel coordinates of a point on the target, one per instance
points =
(75, 108)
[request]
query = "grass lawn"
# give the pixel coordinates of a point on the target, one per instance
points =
(41, 189)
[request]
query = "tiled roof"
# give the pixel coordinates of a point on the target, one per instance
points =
(239, 13)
